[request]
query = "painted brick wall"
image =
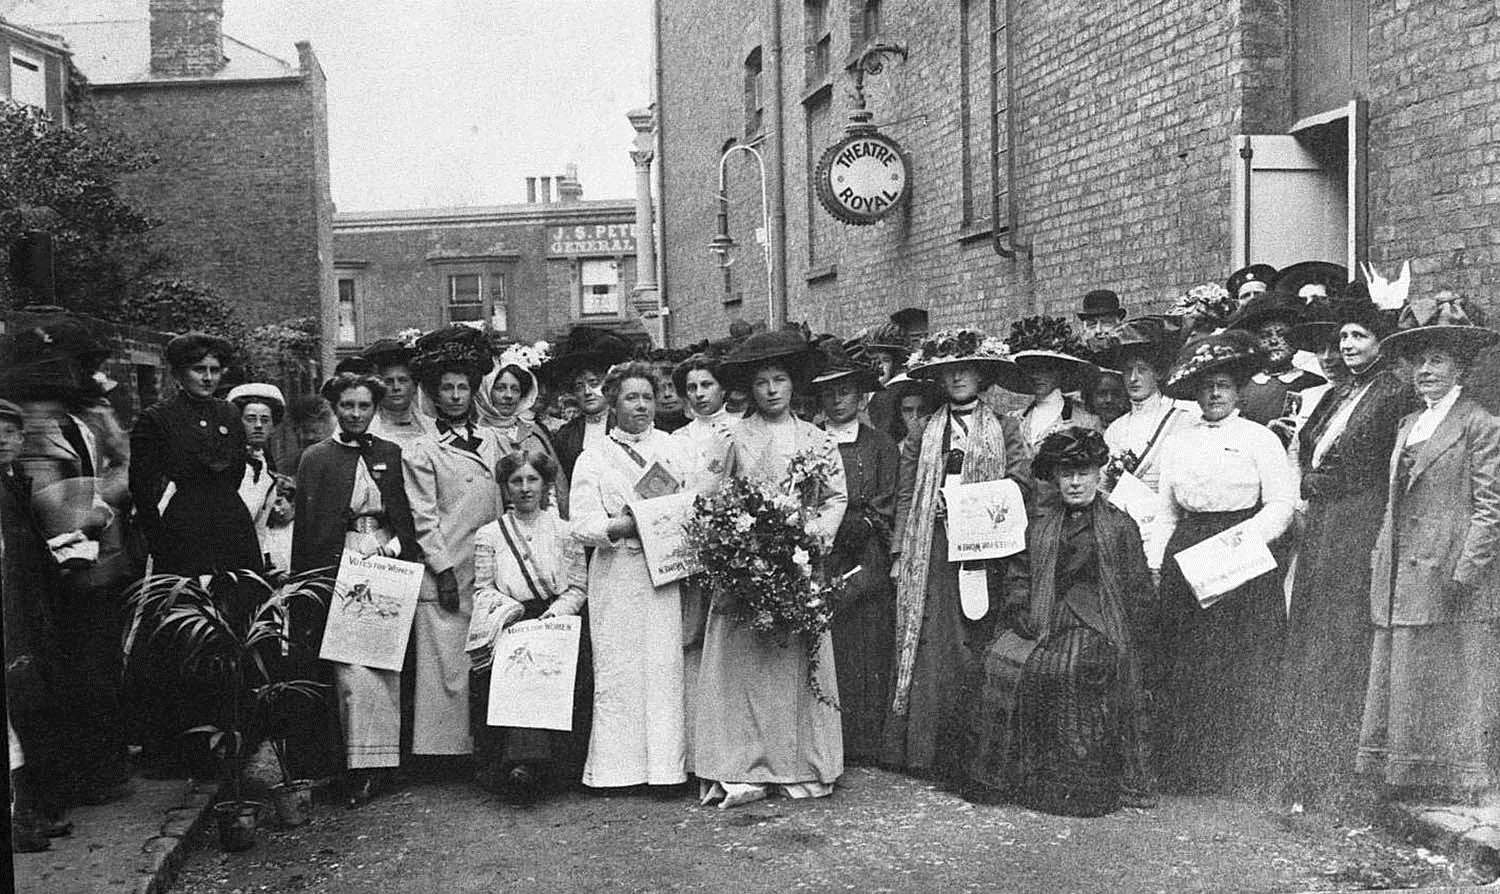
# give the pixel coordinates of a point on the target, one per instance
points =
(241, 186)
(1126, 115)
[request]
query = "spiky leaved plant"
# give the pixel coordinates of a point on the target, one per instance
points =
(233, 629)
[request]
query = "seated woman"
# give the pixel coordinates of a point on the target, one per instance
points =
(1059, 725)
(526, 565)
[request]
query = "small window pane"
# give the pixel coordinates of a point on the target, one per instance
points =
(348, 331)
(464, 301)
(600, 281)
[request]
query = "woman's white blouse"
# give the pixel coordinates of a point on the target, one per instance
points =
(604, 482)
(1224, 466)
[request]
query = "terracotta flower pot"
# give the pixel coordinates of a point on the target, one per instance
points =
(293, 801)
(237, 821)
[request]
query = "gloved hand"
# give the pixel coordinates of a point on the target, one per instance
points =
(447, 586)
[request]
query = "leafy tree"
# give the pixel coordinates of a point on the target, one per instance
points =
(65, 180)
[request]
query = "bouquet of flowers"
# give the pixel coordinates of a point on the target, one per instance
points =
(762, 566)
(1119, 463)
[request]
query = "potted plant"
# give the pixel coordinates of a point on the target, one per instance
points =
(232, 629)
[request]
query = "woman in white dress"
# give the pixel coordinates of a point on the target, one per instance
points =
(638, 735)
(758, 722)
(526, 565)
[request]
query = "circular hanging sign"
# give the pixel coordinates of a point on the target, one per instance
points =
(862, 177)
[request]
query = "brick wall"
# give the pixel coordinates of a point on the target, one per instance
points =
(241, 186)
(400, 267)
(1126, 114)
(1434, 181)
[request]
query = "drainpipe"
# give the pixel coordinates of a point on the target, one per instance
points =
(776, 169)
(661, 175)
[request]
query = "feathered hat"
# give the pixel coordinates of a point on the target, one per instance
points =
(953, 346)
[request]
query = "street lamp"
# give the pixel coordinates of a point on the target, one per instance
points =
(723, 244)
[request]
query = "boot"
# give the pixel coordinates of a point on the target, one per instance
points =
(26, 826)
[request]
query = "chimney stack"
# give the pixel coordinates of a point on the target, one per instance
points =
(546, 190)
(187, 38)
(531, 190)
(569, 190)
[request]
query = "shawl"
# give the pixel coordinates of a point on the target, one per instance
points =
(1123, 577)
(983, 461)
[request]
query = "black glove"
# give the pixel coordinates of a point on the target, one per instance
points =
(447, 586)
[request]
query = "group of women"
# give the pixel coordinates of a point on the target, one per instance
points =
(1079, 674)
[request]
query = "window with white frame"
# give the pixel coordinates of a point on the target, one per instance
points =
(465, 302)
(28, 78)
(499, 310)
(348, 319)
(599, 281)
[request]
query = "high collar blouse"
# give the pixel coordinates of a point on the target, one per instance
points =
(1229, 465)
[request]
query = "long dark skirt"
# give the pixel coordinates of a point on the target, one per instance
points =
(1321, 689)
(1220, 665)
(864, 644)
(928, 740)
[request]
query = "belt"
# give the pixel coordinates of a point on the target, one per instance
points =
(367, 524)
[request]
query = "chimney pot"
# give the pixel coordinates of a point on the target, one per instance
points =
(530, 190)
(546, 190)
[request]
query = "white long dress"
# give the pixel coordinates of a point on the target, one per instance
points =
(639, 733)
(757, 721)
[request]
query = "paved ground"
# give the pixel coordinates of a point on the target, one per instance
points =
(123, 846)
(882, 832)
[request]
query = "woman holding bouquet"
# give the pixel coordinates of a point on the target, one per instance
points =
(635, 628)
(939, 644)
(759, 722)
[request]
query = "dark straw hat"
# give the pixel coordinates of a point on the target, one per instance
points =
(386, 352)
(838, 366)
(1266, 308)
(1233, 351)
(788, 347)
(1293, 279)
(1445, 320)
(588, 347)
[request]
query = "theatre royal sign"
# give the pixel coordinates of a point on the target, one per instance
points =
(863, 177)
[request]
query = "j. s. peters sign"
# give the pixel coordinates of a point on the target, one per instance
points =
(862, 177)
(591, 239)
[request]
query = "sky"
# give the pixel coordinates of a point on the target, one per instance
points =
(455, 102)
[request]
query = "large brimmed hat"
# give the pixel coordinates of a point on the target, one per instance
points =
(1234, 351)
(385, 352)
(1291, 280)
(1146, 338)
(587, 347)
(1446, 320)
(950, 347)
(457, 348)
(887, 337)
(1042, 343)
(1266, 308)
(786, 347)
(838, 366)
